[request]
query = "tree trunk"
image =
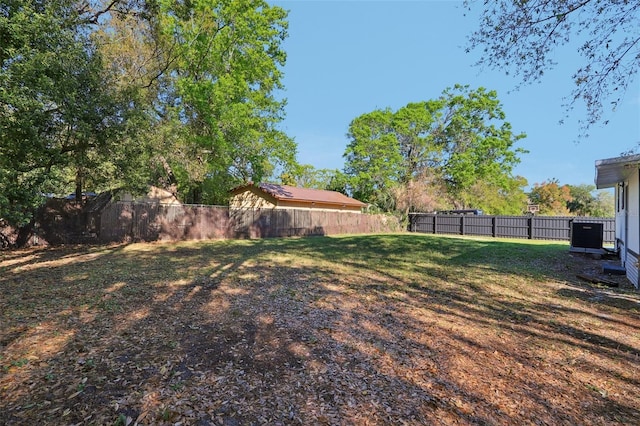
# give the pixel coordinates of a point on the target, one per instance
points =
(79, 176)
(24, 233)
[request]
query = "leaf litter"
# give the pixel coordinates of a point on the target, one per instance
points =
(295, 333)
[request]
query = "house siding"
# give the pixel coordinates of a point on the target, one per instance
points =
(631, 267)
(633, 227)
(283, 204)
(633, 216)
(250, 200)
(153, 195)
(622, 173)
(255, 199)
(620, 222)
(627, 195)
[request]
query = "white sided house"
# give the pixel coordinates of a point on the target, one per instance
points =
(622, 174)
(274, 196)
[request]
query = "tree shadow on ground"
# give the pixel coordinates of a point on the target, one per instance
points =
(379, 329)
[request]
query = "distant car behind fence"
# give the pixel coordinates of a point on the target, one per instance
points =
(529, 227)
(464, 211)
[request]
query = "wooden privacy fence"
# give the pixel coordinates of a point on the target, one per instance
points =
(124, 221)
(530, 227)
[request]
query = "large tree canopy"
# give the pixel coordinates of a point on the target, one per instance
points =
(59, 114)
(227, 66)
(522, 36)
(551, 198)
(554, 199)
(211, 69)
(587, 201)
(102, 94)
(441, 147)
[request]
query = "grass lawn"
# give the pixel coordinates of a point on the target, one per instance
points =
(375, 329)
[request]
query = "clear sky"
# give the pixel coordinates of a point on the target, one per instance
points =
(347, 58)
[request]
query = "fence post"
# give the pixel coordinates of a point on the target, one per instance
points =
(571, 231)
(511, 226)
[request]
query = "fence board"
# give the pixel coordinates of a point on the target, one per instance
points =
(478, 225)
(124, 221)
(513, 226)
(449, 224)
(551, 228)
(529, 227)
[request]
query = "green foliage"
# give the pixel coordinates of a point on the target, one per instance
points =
(29, 75)
(448, 144)
(60, 119)
(581, 197)
(509, 199)
(100, 95)
(586, 201)
(225, 68)
(478, 143)
(307, 176)
(373, 158)
(603, 205)
(338, 182)
(575, 200)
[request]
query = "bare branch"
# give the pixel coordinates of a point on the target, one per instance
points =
(520, 37)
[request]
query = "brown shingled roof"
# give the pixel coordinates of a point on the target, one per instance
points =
(292, 193)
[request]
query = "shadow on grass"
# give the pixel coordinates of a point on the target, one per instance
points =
(380, 328)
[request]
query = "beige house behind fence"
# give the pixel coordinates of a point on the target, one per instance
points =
(274, 196)
(154, 195)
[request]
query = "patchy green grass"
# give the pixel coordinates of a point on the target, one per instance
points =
(371, 329)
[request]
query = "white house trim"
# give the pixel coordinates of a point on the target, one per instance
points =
(623, 174)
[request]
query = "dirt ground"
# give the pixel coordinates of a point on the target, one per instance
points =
(592, 265)
(116, 337)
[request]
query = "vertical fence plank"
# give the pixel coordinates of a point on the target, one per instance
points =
(123, 221)
(526, 227)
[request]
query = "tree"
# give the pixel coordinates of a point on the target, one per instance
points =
(224, 70)
(208, 71)
(478, 142)
(450, 143)
(373, 160)
(586, 201)
(307, 176)
(508, 199)
(423, 193)
(522, 36)
(604, 204)
(59, 116)
(131, 92)
(551, 197)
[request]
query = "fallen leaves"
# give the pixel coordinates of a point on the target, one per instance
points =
(301, 332)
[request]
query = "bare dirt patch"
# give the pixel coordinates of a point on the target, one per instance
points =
(385, 329)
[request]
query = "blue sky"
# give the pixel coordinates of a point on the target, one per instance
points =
(347, 58)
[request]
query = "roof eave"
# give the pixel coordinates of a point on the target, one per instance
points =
(329, 203)
(611, 171)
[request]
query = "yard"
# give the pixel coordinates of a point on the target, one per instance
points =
(375, 329)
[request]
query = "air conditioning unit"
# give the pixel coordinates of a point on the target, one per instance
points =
(586, 237)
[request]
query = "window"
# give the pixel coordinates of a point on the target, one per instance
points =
(621, 196)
